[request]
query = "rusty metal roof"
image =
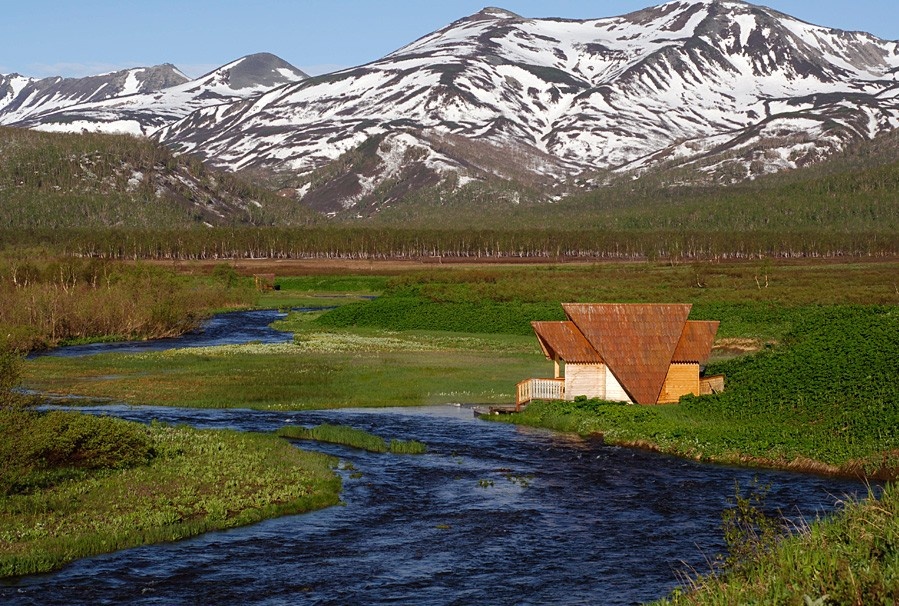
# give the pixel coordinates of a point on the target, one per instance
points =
(565, 341)
(636, 341)
(696, 341)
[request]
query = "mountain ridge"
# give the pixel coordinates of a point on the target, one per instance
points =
(712, 91)
(730, 88)
(142, 110)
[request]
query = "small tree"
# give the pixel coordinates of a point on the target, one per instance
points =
(749, 530)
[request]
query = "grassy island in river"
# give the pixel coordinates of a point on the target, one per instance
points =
(74, 485)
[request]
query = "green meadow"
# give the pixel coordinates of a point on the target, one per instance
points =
(350, 436)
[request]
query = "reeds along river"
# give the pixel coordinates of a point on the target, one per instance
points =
(493, 514)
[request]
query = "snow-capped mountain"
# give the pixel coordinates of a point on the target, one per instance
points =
(729, 87)
(142, 110)
(22, 97)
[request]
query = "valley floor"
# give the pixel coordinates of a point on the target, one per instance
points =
(812, 386)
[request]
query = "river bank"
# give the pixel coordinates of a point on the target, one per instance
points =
(490, 513)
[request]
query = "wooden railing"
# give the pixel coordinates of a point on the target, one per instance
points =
(539, 389)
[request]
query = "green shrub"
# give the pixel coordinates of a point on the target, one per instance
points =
(37, 449)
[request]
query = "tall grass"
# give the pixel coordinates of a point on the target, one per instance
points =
(849, 558)
(45, 300)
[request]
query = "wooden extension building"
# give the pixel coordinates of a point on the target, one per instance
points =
(636, 353)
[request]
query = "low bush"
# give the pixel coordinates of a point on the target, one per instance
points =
(38, 449)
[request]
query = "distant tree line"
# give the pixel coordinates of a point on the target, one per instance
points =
(333, 242)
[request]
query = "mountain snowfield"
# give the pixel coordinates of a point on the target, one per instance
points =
(716, 90)
(139, 109)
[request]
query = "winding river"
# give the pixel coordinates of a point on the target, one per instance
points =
(493, 514)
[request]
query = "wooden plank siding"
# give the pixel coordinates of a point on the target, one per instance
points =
(682, 378)
(585, 380)
(711, 384)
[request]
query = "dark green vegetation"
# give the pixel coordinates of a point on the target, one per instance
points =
(754, 300)
(46, 301)
(350, 436)
(850, 558)
(825, 399)
(321, 291)
(74, 485)
(52, 181)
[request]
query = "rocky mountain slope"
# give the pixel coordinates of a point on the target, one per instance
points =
(726, 89)
(137, 101)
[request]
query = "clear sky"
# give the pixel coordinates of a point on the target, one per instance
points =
(82, 37)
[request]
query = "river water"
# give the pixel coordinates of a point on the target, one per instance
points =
(493, 514)
(222, 329)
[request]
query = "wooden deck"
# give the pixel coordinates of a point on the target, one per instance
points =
(539, 389)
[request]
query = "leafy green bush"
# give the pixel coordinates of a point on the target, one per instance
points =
(37, 449)
(827, 396)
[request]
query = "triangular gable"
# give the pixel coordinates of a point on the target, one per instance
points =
(565, 341)
(636, 341)
(696, 342)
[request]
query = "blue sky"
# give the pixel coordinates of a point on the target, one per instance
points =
(77, 38)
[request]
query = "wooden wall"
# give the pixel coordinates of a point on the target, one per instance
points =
(585, 380)
(682, 378)
(614, 391)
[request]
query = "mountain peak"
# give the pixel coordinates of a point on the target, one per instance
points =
(255, 71)
(493, 12)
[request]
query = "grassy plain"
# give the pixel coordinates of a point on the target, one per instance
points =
(809, 349)
(455, 334)
(286, 377)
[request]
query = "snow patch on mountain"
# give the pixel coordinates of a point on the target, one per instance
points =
(133, 109)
